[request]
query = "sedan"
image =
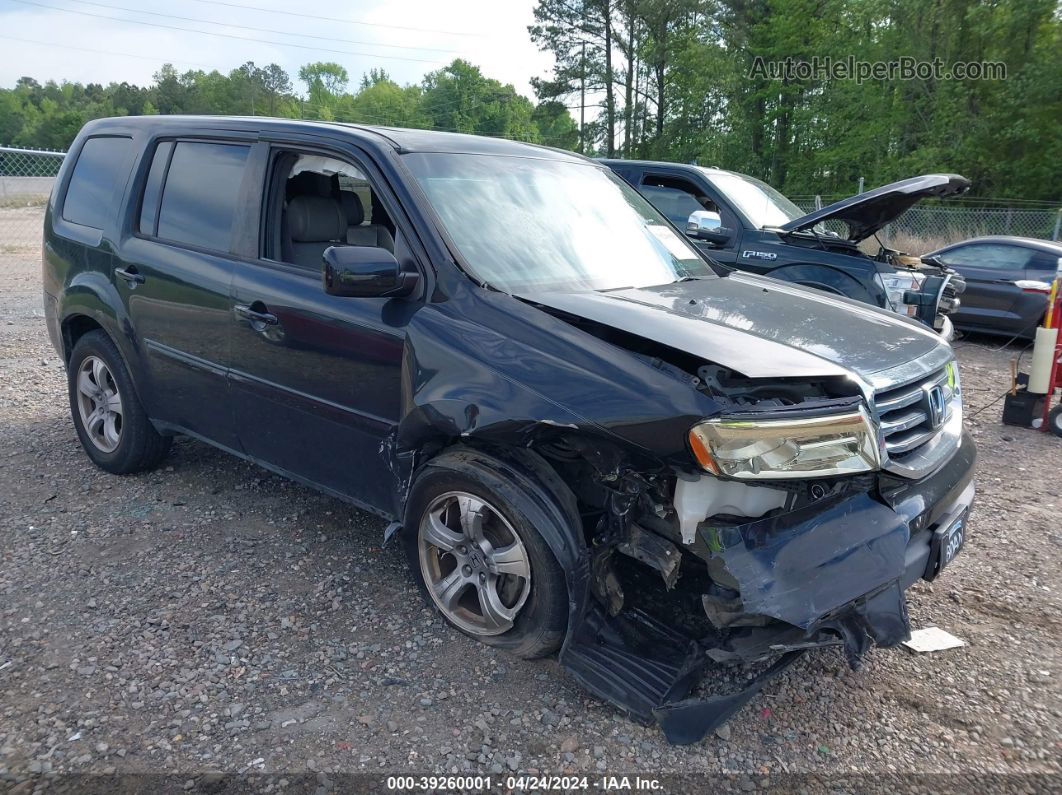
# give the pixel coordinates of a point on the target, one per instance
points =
(1007, 282)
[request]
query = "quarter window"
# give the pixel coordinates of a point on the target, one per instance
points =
(200, 197)
(102, 166)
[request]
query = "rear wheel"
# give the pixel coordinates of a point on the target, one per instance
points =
(479, 559)
(113, 428)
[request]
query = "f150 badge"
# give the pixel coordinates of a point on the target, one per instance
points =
(750, 254)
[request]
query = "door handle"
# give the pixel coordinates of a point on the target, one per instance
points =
(129, 274)
(254, 316)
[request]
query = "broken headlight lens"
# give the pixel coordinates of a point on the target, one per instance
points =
(837, 444)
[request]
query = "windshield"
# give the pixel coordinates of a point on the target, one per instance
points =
(526, 225)
(761, 204)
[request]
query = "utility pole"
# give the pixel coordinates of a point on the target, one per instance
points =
(582, 97)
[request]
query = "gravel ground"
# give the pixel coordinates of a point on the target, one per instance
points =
(211, 617)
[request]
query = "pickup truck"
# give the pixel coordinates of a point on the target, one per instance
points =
(742, 222)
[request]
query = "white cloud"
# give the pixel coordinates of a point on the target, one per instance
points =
(499, 43)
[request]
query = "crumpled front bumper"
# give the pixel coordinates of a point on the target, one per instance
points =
(820, 577)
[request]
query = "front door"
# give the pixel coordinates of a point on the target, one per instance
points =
(174, 275)
(992, 300)
(316, 379)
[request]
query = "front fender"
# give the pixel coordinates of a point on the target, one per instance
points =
(830, 279)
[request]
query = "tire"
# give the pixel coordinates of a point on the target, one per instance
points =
(111, 424)
(507, 508)
(1054, 420)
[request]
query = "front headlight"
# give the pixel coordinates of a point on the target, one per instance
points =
(898, 283)
(837, 444)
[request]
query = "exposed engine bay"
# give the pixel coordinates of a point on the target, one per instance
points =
(688, 570)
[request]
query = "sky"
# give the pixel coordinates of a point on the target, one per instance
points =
(72, 40)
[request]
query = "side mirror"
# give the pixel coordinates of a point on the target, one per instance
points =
(365, 272)
(707, 226)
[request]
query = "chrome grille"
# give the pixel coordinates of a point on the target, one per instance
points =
(904, 413)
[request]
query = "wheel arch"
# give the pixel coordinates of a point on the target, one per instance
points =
(89, 305)
(827, 278)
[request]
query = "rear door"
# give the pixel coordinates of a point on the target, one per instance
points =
(316, 378)
(174, 273)
(1044, 265)
(992, 300)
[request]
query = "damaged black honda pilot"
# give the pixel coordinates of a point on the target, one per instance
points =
(589, 438)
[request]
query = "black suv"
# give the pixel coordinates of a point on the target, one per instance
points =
(589, 437)
(745, 223)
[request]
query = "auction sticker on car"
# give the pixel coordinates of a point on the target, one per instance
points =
(672, 242)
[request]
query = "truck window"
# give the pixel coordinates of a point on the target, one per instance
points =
(200, 196)
(102, 166)
(675, 198)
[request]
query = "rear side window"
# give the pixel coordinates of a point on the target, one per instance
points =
(200, 196)
(102, 166)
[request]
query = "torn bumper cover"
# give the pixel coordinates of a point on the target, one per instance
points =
(817, 577)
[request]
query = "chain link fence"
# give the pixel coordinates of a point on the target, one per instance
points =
(26, 177)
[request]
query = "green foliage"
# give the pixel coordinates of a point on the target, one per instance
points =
(457, 98)
(686, 90)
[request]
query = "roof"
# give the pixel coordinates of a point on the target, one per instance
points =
(1050, 246)
(661, 164)
(403, 140)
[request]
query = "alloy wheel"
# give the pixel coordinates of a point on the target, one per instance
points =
(474, 564)
(99, 404)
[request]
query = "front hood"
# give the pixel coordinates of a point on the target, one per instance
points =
(761, 327)
(866, 213)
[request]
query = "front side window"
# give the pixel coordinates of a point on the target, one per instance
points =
(318, 202)
(995, 257)
(200, 197)
(102, 166)
(674, 198)
(526, 225)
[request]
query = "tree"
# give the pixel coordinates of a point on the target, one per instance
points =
(580, 34)
(325, 82)
(277, 87)
(459, 98)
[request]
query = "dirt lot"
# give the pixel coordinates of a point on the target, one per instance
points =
(211, 617)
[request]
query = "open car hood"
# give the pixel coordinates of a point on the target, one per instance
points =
(866, 213)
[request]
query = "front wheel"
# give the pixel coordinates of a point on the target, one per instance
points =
(480, 560)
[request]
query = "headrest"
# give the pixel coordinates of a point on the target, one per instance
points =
(353, 207)
(313, 219)
(309, 183)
